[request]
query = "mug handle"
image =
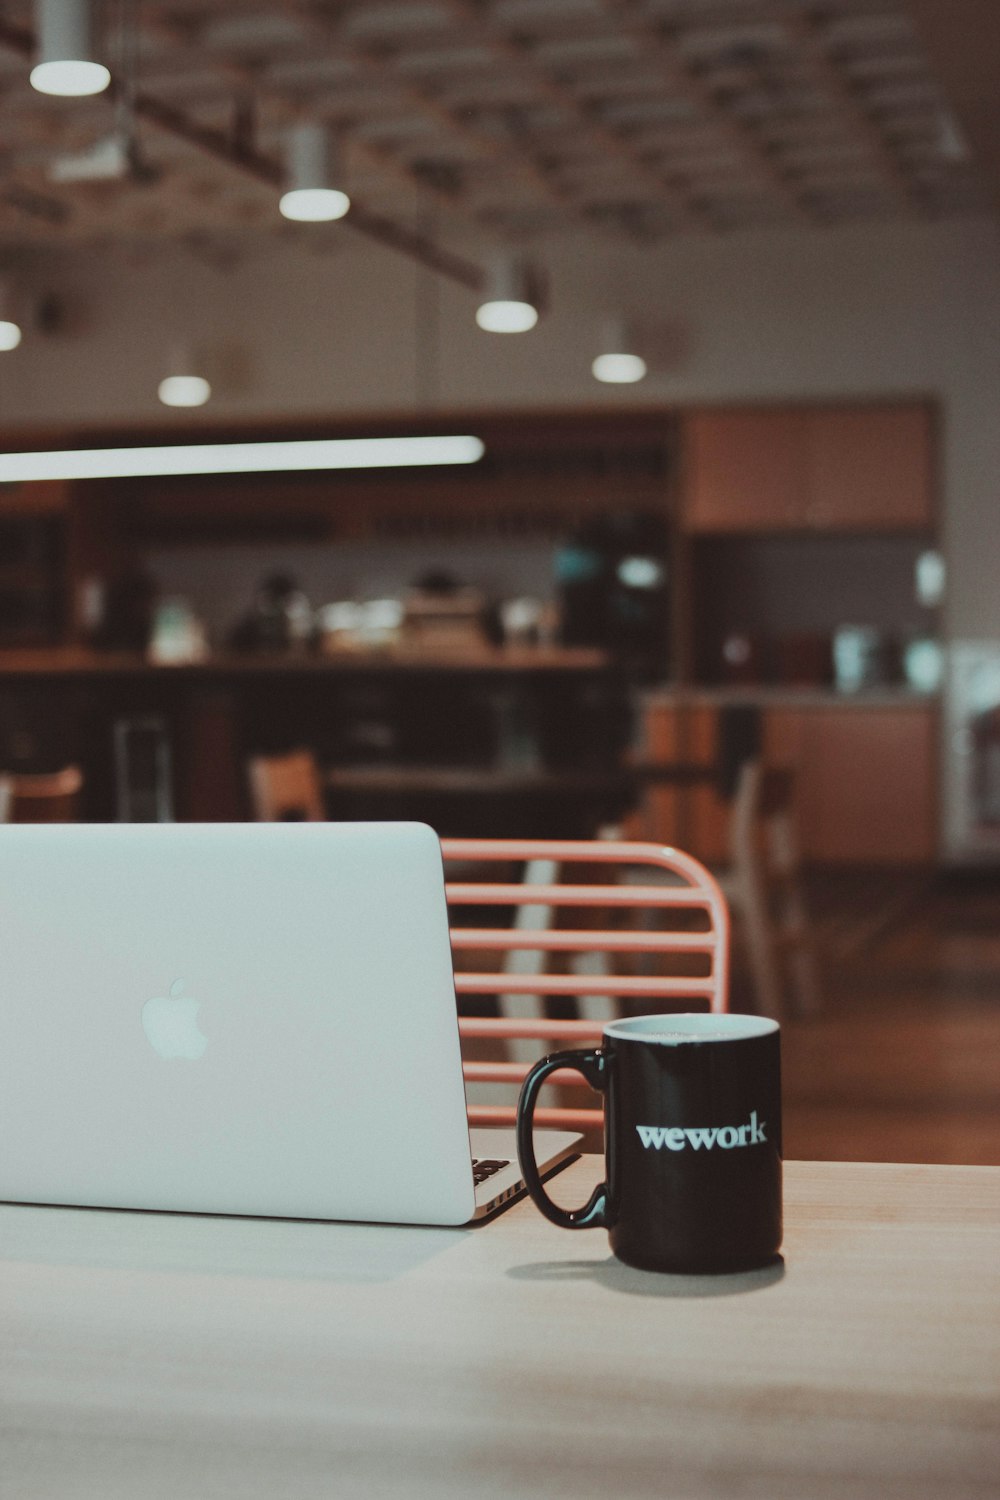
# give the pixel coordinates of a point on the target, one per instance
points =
(594, 1067)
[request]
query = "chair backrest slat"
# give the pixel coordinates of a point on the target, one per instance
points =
(512, 1072)
(635, 985)
(464, 894)
(655, 881)
(579, 1032)
(584, 940)
(546, 1116)
(43, 796)
(286, 787)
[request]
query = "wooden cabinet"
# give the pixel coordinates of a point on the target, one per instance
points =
(865, 468)
(541, 477)
(865, 776)
(866, 779)
(870, 468)
(744, 470)
(659, 815)
(689, 813)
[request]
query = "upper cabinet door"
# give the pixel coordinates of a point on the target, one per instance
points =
(835, 468)
(744, 470)
(870, 468)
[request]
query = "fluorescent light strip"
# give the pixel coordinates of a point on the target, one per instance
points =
(239, 458)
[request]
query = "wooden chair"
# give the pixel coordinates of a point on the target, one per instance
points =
(764, 887)
(601, 900)
(48, 797)
(286, 787)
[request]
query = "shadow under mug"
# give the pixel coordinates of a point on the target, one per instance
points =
(692, 1129)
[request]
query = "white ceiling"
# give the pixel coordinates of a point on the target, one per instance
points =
(477, 122)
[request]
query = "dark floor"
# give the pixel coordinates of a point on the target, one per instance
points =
(903, 1061)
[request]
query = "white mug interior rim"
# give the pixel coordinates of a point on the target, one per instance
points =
(690, 1026)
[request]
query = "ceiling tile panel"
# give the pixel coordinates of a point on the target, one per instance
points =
(517, 117)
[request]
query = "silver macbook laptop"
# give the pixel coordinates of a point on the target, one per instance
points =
(239, 1019)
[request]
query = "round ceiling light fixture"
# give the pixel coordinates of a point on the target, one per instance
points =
(512, 296)
(618, 363)
(181, 386)
(184, 390)
(10, 329)
(310, 164)
(66, 63)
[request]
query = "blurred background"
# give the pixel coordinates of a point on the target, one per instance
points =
(694, 306)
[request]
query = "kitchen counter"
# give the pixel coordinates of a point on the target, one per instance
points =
(437, 733)
(787, 695)
(864, 764)
(76, 661)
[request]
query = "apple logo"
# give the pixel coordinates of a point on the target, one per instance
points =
(171, 1024)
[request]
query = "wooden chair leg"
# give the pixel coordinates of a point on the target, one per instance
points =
(758, 933)
(795, 926)
(800, 955)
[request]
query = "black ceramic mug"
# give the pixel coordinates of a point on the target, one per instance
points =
(692, 1128)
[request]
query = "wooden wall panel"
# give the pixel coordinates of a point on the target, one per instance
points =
(707, 824)
(867, 779)
(833, 468)
(744, 470)
(870, 469)
(660, 816)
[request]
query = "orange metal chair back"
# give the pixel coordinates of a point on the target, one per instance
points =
(602, 900)
(286, 786)
(44, 797)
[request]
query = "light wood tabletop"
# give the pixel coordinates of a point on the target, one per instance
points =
(148, 1356)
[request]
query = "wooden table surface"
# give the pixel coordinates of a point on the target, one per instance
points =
(148, 1356)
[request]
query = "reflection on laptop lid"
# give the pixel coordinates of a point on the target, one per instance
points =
(233, 1018)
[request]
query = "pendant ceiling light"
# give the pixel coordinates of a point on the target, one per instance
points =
(512, 296)
(66, 63)
(182, 386)
(10, 330)
(310, 197)
(618, 363)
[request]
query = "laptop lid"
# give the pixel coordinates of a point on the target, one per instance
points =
(231, 1018)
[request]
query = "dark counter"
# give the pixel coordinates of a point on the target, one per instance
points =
(523, 742)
